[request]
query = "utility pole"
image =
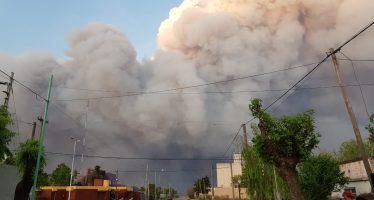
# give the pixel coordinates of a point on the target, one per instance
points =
(232, 184)
(352, 116)
(9, 90)
(155, 186)
(33, 130)
(148, 191)
(245, 135)
(41, 139)
(41, 120)
(117, 184)
(211, 177)
(72, 167)
(146, 181)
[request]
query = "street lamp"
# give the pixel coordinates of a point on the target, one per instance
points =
(239, 181)
(72, 166)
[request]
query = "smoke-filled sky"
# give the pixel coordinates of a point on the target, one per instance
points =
(199, 42)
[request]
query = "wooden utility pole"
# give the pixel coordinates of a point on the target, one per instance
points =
(232, 184)
(9, 90)
(352, 116)
(245, 135)
(33, 130)
(117, 184)
(212, 184)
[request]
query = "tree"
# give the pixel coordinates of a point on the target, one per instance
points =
(259, 178)
(349, 150)
(202, 185)
(25, 159)
(319, 176)
(5, 133)
(61, 175)
(370, 128)
(92, 174)
(284, 142)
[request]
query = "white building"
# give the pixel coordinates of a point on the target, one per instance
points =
(224, 187)
(358, 180)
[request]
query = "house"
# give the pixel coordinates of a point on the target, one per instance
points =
(356, 173)
(225, 189)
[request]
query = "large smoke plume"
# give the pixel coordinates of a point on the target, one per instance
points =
(202, 41)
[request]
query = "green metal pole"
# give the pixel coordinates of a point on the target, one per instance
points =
(41, 139)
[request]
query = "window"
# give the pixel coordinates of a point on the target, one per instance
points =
(351, 190)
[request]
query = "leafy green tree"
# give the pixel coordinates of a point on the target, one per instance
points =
(349, 150)
(96, 173)
(61, 175)
(370, 128)
(6, 135)
(43, 179)
(319, 176)
(202, 186)
(260, 178)
(25, 159)
(284, 142)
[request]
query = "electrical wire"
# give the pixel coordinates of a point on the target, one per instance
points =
(307, 74)
(67, 115)
(246, 91)
(24, 86)
(24, 122)
(323, 60)
(171, 171)
(232, 141)
(143, 158)
(118, 91)
(15, 116)
(358, 82)
(186, 87)
(358, 60)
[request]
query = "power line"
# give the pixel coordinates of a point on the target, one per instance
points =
(323, 60)
(15, 115)
(357, 60)
(143, 158)
(24, 122)
(58, 108)
(244, 91)
(306, 75)
(117, 91)
(171, 171)
(186, 87)
(236, 135)
(24, 86)
(358, 82)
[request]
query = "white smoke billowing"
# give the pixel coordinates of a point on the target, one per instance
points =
(202, 41)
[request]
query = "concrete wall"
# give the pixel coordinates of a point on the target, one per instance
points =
(226, 193)
(356, 173)
(224, 172)
(9, 178)
(360, 186)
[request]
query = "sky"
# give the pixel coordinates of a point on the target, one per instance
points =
(99, 51)
(43, 26)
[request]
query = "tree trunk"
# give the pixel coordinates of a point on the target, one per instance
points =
(24, 186)
(22, 190)
(290, 176)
